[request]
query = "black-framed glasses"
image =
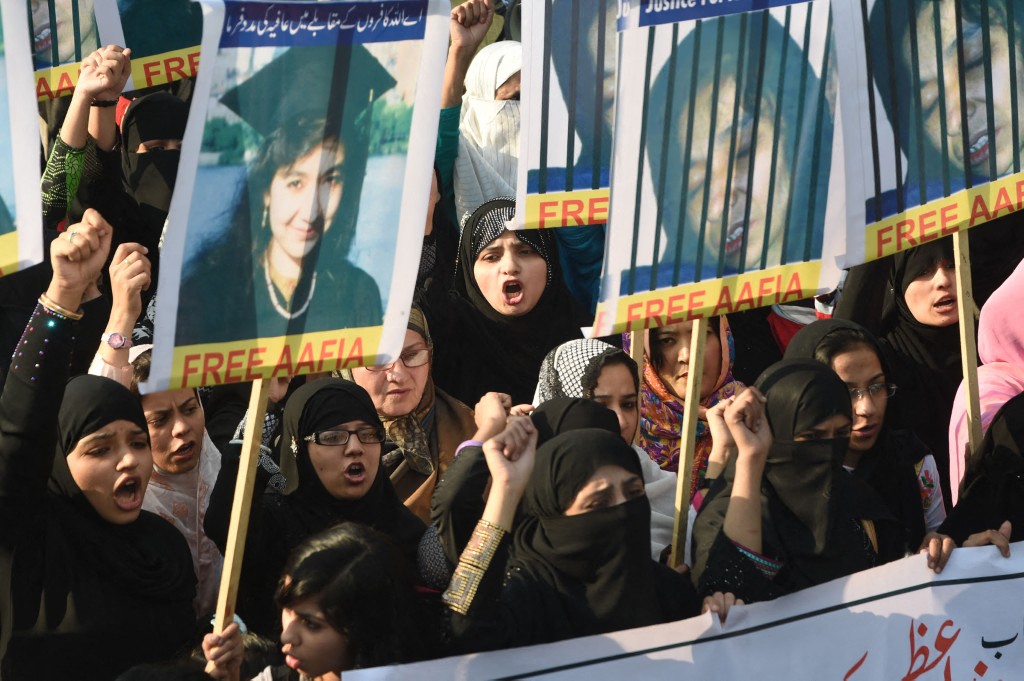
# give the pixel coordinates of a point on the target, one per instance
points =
(411, 358)
(874, 391)
(336, 438)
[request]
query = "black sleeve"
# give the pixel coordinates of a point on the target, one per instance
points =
(32, 393)
(728, 570)
(459, 501)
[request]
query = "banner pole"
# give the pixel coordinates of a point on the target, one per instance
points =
(689, 439)
(242, 505)
(636, 351)
(968, 342)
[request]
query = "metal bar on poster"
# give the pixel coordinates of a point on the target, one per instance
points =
(872, 115)
(687, 444)
(242, 505)
(891, 46)
(965, 133)
(968, 342)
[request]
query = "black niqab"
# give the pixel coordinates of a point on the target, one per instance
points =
(599, 562)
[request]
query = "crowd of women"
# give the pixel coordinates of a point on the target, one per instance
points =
(502, 482)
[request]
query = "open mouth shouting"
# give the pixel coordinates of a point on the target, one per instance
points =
(513, 293)
(128, 493)
(979, 150)
(945, 305)
(355, 473)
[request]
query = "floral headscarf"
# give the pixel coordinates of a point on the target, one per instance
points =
(661, 412)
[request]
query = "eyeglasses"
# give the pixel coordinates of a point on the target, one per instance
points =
(336, 438)
(874, 391)
(413, 358)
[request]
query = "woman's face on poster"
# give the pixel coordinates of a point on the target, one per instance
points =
(728, 198)
(303, 198)
(44, 32)
(982, 143)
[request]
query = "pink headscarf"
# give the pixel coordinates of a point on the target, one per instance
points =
(1001, 375)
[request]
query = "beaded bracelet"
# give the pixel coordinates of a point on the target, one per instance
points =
(472, 567)
(56, 310)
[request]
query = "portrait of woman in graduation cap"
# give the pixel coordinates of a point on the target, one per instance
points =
(281, 266)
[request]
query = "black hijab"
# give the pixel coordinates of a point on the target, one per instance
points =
(315, 406)
(888, 467)
(801, 394)
(149, 177)
(564, 414)
(84, 579)
(926, 359)
(492, 351)
(598, 562)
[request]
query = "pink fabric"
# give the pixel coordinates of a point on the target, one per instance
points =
(1001, 325)
(997, 383)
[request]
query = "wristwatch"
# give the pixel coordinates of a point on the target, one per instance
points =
(116, 341)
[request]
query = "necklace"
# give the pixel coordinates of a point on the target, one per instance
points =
(273, 292)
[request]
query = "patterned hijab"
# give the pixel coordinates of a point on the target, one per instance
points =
(661, 412)
(573, 368)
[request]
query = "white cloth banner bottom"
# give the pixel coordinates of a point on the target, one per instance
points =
(900, 622)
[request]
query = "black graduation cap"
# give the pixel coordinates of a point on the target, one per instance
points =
(338, 83)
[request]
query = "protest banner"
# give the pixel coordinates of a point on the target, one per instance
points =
(21, 221)
(726, 166)
(294, 234)
(163, 36)
(568, 93)
(898, 621)
(932, 95)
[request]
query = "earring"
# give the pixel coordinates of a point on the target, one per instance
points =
(265, 221)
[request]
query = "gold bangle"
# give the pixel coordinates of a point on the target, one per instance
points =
(473, 564)
(46, 302)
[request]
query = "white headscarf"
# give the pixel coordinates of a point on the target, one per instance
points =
(488, 157)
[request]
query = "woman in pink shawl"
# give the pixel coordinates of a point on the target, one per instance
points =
(1001, 374)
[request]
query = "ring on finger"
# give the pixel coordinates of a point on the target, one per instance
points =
(71, 236)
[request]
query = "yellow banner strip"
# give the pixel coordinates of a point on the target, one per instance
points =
(708, 298)
(965, 209)
(566, 209)
(249, 360)
(8, 253)
(59, 81)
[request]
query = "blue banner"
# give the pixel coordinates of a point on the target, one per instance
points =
(262, 24)
(655, 12)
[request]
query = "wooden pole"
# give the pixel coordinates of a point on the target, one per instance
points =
(689, 439)
(244, 484)
(968, 342)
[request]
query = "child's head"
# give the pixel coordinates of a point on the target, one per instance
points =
(347, 601)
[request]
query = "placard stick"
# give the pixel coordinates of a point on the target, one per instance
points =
(968, 341)
(244, 484)
(636, 351)
(689, 439)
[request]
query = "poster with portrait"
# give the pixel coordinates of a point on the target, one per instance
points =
(898, 621)
(568, 98)
(933, 95)
(298, 215)
(726, 163)
(163, 36)
(21, 220)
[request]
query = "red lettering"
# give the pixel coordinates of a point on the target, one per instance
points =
(572, 208)
(764, 289)
(979, 209)
(925, 223)
(284, 362)
(355, 355)
(255, 361)
(655, 307)
(745, 297)
(325, 353)
(794, 288)
(305, 359)
(236, 360)
(150, 70)
(547, 211)
(724, 303)
(883, 237)
(193, 62)
(1020, 195)
(191, 367)
(173, 67)
(1002, 203)
(948, 219)
(598, 210)
(633, 313)
(64, 86)
(212, 362)
(43, 89)
(904, 232)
